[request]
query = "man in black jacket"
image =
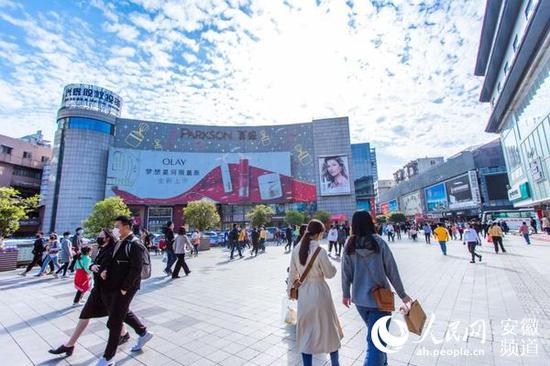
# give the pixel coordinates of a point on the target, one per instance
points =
(123, 279)
(234, 241)
(37, 251)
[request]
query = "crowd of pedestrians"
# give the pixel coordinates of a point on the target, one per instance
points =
(113, 275)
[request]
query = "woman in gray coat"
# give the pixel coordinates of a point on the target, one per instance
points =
(368, 263)
(65, 254)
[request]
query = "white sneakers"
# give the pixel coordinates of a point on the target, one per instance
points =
(142, 340)
(103, 362)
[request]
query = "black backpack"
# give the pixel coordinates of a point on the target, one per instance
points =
(146, 267)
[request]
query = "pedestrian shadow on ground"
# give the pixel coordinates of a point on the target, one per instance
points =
(502, 268)
(62, 361)
(37, 320)
(33, 282)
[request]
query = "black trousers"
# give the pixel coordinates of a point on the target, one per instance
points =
(497, 240)
(77, 296)
(330, 245)
(73, 263)
(288, 243)
(119, 312)
(63, 268)
(340, 246)
(235, 245)
(428, 238)
(472, 249)
(37, 261)
(255, 247)
(180, 263)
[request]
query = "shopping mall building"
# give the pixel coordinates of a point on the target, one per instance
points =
(157, 168)
(514, 60)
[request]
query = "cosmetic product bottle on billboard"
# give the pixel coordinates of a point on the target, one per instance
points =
(135, 137)
(226, 177)
(270, 186)
(244, 172)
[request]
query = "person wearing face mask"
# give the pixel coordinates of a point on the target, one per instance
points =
(76, 242)
(95, 306)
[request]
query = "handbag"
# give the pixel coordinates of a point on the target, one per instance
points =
(415, 318)
(384, 297)
(296, 284)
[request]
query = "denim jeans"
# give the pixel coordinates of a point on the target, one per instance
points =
(526, 237)
(47, 260)
(374, 356)
(308, 359)
(443, 245)
(170, 260)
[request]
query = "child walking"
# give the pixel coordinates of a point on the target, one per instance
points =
(82, 274)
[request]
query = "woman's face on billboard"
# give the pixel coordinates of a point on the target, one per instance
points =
(333, 167)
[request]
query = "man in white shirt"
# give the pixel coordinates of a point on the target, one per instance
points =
(472, 238)
(332, 237)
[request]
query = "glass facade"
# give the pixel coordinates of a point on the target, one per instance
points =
(91, 124)
(364, 161)
(526, 139)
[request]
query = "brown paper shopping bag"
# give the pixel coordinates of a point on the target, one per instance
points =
(416, 318)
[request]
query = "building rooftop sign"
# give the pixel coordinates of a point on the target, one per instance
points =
(91, 97)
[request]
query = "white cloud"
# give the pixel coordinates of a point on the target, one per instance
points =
(404, 77)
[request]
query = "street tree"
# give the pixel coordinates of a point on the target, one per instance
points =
(104, 214)
(201, 215)
(322, 216)
(381, 219)
(13, 209)
(260, 215)
(397, 217)
(293, 217)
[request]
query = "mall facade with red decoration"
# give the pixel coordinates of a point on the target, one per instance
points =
(157, 168)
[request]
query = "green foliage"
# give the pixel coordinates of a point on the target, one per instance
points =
(380, 219)
(104, 214)
(14, 208)
(293, 217)
(201, 215)
(260, 215)
(397, 217)
(322, 216)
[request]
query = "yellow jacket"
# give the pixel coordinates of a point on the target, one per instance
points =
(495, 230)
(441, 234)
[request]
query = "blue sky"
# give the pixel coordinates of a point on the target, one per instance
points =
(402, 71)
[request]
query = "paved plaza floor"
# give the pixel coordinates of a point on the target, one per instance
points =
(229, 313)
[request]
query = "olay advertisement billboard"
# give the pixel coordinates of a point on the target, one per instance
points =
(159, 177)
(460, 193)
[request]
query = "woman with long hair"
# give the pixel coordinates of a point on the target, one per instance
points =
(318, 329)
(335, 173)
(95, 306)
(367, 264)
(170, 238)
(182, 242)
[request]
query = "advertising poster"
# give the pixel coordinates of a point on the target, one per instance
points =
(436, 198)
(411, 204)
(459, 192)
(392, 206)
(334, 175)
(159, 177)
(385, 208)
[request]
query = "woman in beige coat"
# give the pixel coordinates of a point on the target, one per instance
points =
(318, 329)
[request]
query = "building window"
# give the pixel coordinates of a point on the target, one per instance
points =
(499, 86)
(44, 159)
(27, 155)
(506, 68)
(528, 8)
(26, 172)
(515, 43)
(493, 102)
(91, 124)
(7, 150)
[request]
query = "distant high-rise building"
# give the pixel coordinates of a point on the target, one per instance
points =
(365, 173)
(415, 167)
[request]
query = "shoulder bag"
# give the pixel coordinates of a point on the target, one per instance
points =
(297, 283)
(384, 297)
